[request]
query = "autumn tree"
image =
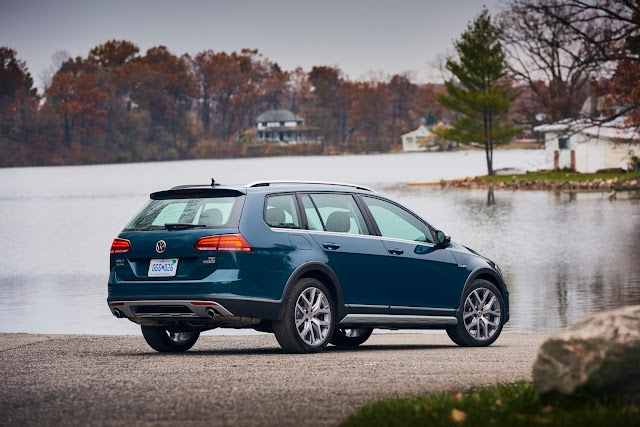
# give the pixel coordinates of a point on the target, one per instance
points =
(201, 69)
(18, 102)
(76, 96)
(165, 87)
(402, 99)
(369, 115)
(234, 87)
(113, 53)
(298, 94)
(330, 103)
(481, 95)
(430, 110)
(117, 65)
(117, 62)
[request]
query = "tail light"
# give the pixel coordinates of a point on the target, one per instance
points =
(120, 246)
(224, 242)
(207, 243)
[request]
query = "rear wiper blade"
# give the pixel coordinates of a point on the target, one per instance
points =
(182, 225)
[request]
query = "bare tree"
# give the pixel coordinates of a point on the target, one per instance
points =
(57, 59)
(608, 31)
(607, 26)
(548, 57)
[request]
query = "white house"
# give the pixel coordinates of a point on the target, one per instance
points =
(416, 140)
(585, 147)
(282, 126)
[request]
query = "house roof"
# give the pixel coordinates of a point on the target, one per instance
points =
(278, 116)
(421, 131)
(615, 129)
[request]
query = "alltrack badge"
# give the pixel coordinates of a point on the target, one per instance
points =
(161, 246)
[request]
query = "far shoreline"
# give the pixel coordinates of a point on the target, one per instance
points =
(559, 181)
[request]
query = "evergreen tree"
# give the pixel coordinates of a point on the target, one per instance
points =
(481, 94)
(431, 119)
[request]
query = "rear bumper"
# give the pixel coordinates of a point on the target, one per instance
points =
(168, 309)
(186, 308)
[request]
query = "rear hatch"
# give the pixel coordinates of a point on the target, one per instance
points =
(181, 235)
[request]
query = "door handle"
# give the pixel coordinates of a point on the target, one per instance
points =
(331, 246)
(394, 251)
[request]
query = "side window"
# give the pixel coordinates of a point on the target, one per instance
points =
(340, 213)
(396, 223)
(281, 211)
(313, 220)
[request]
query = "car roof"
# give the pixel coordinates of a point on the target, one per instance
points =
(289, 186)
(276, 186)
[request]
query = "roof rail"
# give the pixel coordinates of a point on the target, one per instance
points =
(267, 183)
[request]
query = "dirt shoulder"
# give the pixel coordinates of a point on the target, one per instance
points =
(236, 380)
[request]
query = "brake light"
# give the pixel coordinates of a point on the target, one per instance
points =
(120, 246)
(224, 242)
(233, 243)
(207, 243)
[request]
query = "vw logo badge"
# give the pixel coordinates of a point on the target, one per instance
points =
(161, 246)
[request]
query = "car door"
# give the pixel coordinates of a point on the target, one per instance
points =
(336, 223)
(420, 273)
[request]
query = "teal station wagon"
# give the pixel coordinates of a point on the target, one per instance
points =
(315, 263)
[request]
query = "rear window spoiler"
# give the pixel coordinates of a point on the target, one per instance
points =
(196, 193)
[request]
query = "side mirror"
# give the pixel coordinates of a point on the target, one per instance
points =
(442, 238)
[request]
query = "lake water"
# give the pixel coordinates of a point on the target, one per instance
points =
(561, 259)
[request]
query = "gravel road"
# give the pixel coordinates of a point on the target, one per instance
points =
(235, 380)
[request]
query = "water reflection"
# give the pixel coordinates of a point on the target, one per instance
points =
(491, 197)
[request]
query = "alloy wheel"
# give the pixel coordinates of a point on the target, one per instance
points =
(313, 316)
(482, 314)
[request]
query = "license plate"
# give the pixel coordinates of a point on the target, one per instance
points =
(163, 267)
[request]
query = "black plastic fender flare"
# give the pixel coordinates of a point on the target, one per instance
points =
(478, 271)
(341, 309)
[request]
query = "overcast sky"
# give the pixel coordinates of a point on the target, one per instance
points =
(360, 37)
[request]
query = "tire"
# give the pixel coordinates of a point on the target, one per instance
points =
(343, 337)
(160, 339)
(478, 327)
(307, 322)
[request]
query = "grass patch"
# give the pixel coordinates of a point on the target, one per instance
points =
(502, 405)
(559, 176)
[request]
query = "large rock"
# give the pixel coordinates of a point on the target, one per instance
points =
(601, 354)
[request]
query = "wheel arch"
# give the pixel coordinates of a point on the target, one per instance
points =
(324, 274)
(488, 275)
(492, 277)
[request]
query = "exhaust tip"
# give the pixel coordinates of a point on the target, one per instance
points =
(211, 312)
(118, 313)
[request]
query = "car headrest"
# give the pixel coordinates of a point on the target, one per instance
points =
(275, 216)
(211, 217)
(338, 222)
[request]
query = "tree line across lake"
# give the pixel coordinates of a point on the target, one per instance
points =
(117, 105)
(543, 58)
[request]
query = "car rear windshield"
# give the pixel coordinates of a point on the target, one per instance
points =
(210, 212)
